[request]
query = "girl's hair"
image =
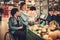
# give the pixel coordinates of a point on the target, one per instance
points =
(32, 8)
(21, 5)
(13, 11)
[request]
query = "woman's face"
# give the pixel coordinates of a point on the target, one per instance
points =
(51, 13)
(58, 12)
(33, 12)
(24, 7)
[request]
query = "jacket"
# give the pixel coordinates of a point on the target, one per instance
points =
(13, 25)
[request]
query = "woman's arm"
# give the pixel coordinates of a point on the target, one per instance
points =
(24, 16)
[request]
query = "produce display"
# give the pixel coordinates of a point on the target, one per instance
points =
(46, 31)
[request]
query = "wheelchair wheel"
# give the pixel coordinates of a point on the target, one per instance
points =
(8, 36)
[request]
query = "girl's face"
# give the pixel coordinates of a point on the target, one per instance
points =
(17, 13)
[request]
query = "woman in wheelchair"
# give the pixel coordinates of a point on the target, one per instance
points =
(15, 25)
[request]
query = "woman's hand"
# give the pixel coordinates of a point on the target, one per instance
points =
(20, 27)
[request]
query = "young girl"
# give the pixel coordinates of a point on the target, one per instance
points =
(15, 25)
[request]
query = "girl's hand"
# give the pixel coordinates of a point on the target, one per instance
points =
(20, 27)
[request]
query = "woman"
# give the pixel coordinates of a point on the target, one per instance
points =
(51, 16)
(15, 25)
(23, 13)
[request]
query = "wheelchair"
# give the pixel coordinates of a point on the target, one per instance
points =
(9, 36)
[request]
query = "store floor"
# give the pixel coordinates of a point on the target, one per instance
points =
(3, 27)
